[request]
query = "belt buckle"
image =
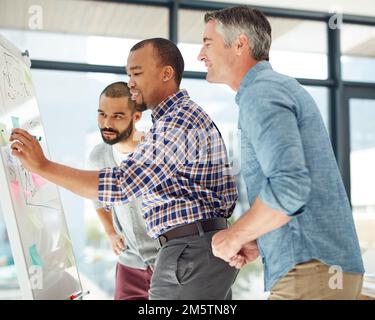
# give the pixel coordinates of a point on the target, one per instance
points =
(160, 241)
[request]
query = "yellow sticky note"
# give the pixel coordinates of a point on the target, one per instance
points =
(71, 260)
(3, 140)
(64, 242)
(67, 238)
(35, 221)
(27, 76)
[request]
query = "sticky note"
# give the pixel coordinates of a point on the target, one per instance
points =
(16, 122)
(67, 238)
(65, 243)
(3, 142)
(27, 76)
(14, 188)
(34, 255)
(35, 221)
(38, 180)
(71, 260)
(64, 240)
(3, 139)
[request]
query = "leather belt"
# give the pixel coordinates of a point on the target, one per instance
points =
(194, 228)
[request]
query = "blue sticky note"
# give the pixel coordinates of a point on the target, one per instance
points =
(35, 258)
(16, 122)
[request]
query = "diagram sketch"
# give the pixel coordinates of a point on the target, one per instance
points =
(15, 85)
(2, 102)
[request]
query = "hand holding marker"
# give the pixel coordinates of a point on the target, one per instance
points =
(38, 138)
(16, 124)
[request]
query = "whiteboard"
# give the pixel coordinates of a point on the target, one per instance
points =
(33, 214)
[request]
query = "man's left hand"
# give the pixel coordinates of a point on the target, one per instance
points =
(248, 253)
(225, 244)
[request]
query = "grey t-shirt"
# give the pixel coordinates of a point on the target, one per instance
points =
(127, 218)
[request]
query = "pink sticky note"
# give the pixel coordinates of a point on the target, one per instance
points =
(14, 188)
(38, 180)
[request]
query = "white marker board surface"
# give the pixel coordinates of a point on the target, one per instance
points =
(31, 206)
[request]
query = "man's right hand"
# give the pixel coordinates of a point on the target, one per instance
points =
(117, 242)
(248, 253)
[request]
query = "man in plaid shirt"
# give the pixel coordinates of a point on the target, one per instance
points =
(181, 171)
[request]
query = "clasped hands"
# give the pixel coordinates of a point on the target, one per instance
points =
(227, 245)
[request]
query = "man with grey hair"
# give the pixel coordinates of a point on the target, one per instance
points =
(299, 217)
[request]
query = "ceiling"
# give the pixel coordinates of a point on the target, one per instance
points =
(105, 18)
(355, 7)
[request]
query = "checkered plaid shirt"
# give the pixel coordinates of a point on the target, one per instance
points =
(181, 169)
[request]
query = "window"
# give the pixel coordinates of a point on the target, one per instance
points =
(95, 32)
(320, 95)
(296, 54)
(190, 35)
(362, 159)
(358, 53)
(292, 53)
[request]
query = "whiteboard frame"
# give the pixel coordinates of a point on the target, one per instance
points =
(7, 206)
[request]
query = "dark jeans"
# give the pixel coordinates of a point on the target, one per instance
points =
(187, 269)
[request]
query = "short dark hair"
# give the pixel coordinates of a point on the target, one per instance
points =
(118, 90)
(238, 20)
(168, 54)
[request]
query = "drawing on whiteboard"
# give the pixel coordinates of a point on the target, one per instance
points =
(15, 86)
(27, 183)
(31, 124)
(30, 185)
(3, 109)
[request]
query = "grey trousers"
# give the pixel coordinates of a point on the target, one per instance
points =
(186, 269)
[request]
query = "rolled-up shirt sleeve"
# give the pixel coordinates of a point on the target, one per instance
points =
(274, 134)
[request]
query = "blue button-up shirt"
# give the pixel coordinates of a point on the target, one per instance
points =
(288, 162)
